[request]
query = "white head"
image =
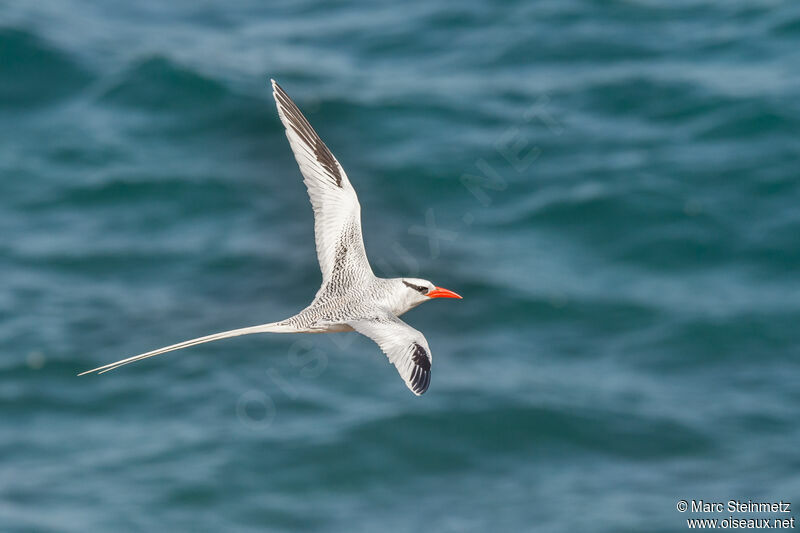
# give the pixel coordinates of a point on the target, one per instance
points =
(411, 292)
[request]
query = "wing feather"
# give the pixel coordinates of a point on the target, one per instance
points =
(405, 347)
(337, 213)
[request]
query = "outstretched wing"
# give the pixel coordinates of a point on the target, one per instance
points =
(405, 347)
(337, 213)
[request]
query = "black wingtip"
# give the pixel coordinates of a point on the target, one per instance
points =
(421, 376)
(302, 127)
(420, 357)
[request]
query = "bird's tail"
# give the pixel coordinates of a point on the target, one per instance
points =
(273, 327)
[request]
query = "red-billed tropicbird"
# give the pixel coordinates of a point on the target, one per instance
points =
(351, 296)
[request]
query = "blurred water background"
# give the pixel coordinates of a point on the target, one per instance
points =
(613, 187)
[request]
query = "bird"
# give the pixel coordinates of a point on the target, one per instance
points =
(351, 297)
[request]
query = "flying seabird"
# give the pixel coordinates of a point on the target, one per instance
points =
(351, 297)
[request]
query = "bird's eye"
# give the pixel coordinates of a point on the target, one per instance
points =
(421, 290)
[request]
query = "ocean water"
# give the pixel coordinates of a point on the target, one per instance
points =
(612, 186)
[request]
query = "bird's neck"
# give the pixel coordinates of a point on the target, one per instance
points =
(397, 297)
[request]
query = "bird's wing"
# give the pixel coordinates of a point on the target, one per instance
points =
(405, 347)
(337, 213)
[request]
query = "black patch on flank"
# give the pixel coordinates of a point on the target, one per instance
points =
(308, 135)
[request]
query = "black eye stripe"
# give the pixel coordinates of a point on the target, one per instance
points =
(417, 288)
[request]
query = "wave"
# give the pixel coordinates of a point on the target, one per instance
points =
(158, 84)
(34, 72)
(123, 191)
(647, 97)
(787, 26)
(455, 436)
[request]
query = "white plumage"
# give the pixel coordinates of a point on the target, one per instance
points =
(351, 297)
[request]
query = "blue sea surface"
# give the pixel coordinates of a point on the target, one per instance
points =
(614, 188)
